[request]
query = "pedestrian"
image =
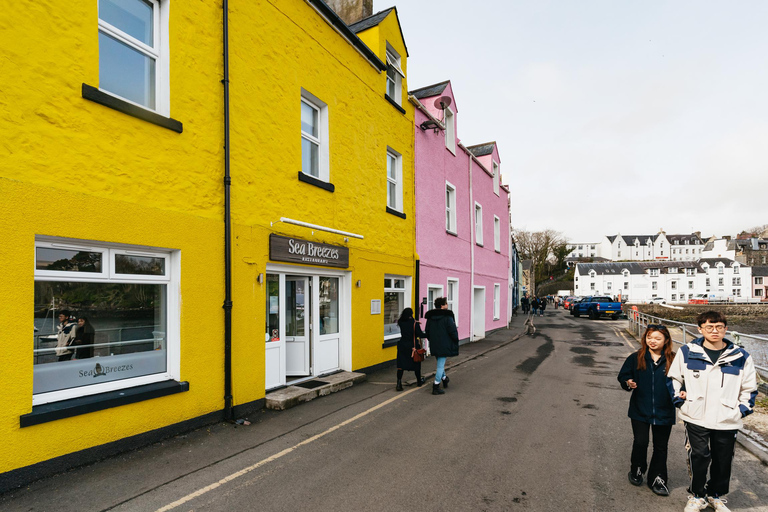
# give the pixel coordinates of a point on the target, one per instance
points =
(410, 334)
(526, 304)
(443, 340)
(542, 305)
(83, 342)
(714, 385)
(644, 373)
(535, 305)
(65, 335)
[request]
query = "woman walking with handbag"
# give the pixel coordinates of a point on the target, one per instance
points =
(410, 331)
(443, 340)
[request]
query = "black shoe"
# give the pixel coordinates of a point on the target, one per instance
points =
(436, 390)
(445, 381)
(636, 477)
(399, 386)
(659, 486)
(420, 381)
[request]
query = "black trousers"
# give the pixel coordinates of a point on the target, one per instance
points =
(658, 466)
(709, 450)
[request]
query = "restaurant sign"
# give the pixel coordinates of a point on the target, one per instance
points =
(283, 248)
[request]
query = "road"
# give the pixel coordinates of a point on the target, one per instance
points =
(537, 424)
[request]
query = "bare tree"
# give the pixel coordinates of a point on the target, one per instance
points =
(546, 249)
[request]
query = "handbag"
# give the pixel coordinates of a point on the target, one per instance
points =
(418, 354)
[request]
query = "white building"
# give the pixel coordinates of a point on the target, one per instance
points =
(674, 281)
(585, 249)
(654, 247)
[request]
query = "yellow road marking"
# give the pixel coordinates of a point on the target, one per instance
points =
(280, 454)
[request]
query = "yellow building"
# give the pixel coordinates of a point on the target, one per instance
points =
(112, 177)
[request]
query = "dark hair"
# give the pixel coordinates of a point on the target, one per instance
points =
(405, 315)
(64, 312)
(440, 302)
(87, 327)
(711, 316)
(669, 355)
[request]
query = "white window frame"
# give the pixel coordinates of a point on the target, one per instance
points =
(496, 234)
(394, 63)
(453, 304)
(323, 166)
(437, 291)
(173, 308)
(478, 224)
(654, 285)
(398, 158)
(406, 291)
(496, 301)
(673, 285)
(449, 118)
(736, 281)
(608, 285)
(450, 208)
(654, 272)
(160, 52)
(759, 280)
(496, 177)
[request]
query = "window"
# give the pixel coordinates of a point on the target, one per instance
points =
(394, 180)
(496, 234)
(654, 272)
(133, 52)
(736, 281)
(608, 285)
(758, 280)
(654, 285)
(673, 285)
(450, 130)
(720, 269)
(735, 269)
(434, 291)
(690, 285)
(591, 286)
(478, 224)
(395, 75)
(736, 292)
(690, 272)
(496, 301)
(131, 336)
(619, 255)
(706, 283)
(758, 293)
(720, 281)
(314, 137)
(453, 297)
(395, 291)
(674, 296)
(496, 177)
(672, 270)
(626, 285)
(450, 208)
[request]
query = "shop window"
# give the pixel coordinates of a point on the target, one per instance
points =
(450, 208)
(329, 305)
(395, 76)
(105, 318)
(394, 181)
(314, 137)
(273, 308)
(496, 301)
(453, 297)
(133, 65)
(496, 234)
(478, 224)
(395, 293)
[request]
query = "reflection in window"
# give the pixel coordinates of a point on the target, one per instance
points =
(295, 306)
(394, 303)
(141, 265)
(329, 305)
(273, 308)
(67, 260)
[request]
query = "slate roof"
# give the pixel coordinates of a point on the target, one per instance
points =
(482, 149)
(630, 239)
(692, 239)
(375, 19)
(430, 90)
(759, 271)
(638, 267)
(714, 261)
(527, 264)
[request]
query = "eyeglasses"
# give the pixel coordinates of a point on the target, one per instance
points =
(657, 326)
(712, 328)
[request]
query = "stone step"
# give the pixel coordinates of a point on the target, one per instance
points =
(291, 396)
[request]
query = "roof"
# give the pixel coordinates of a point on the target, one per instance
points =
(482, 149)
(638, 267)
(527, 264)
(692, 239)
(714, 261)
(375, 19)
(759, 271)
(430, 90)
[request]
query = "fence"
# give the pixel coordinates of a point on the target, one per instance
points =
(682, 333)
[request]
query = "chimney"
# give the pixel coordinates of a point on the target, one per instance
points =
(351, 11)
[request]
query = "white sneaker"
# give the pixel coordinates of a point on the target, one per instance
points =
(718, 504)
(695, 504)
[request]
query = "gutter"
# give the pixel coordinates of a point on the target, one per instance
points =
(227, 231)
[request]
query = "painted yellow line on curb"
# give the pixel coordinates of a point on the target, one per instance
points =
(626, 340)
(278, 455)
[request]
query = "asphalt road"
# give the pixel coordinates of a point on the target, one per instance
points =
(536, 424)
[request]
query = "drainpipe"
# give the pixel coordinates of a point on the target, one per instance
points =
(227, 233)
(473, 225)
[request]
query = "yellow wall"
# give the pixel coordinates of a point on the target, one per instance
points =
(72, 168)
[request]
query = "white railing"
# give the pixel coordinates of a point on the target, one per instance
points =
(683, 332)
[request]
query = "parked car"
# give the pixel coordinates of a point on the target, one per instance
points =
(596, 307)
(657, 300)
(568, 301)
(701, 298)
(575, 301)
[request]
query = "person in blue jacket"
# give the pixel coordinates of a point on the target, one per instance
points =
(644, 373)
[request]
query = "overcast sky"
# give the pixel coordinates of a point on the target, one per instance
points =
(611, 116)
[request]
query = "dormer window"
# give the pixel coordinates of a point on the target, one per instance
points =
(654, 272)
(672, 270)
(735, 269)
(592, 273)
(720, 268)
(395, 76)
(625, 273)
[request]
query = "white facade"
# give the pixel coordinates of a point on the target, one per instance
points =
(726, 278)
(719, 248)
(658, 247)
(586, 249)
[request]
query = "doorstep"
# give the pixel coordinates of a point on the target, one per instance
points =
(291, 396)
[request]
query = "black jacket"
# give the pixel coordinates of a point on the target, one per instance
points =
(442, 333)
(405, 344)
(650, 401)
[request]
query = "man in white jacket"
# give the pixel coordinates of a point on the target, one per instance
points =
(714, 385)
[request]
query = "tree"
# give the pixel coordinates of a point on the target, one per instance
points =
(546, 249)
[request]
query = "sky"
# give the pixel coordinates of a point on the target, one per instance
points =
(611, 116)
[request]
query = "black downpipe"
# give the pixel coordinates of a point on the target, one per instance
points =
(227, 234)
(420, 309)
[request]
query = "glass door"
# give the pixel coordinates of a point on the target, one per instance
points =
(274, 334)
(297, 325)
(326, 350)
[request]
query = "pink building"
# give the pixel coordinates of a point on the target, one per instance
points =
(462, 218)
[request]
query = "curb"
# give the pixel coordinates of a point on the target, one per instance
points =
(752, 445)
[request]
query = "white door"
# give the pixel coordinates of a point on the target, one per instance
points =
(274, 361)
(297, 326)
(327, 301)
(478, 314)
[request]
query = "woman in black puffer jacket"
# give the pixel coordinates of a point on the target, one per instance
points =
(644, 373)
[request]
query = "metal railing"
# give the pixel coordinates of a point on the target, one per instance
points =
(683, 332)
(111, 339)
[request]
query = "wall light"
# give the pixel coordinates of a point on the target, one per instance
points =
(358, 283)
(260, 278)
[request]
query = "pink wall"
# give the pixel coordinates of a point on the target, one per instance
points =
(444, 255)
